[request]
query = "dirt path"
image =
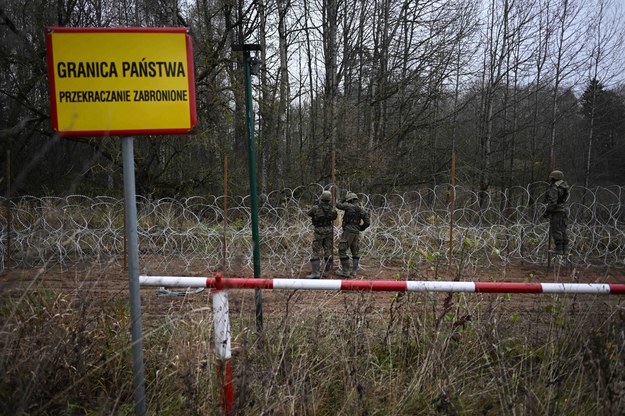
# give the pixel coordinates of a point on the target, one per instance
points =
(102, 285)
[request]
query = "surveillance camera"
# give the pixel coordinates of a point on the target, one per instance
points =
(255, 64)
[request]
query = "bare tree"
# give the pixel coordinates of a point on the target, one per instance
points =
(330, 52)
(568, 43)
(496, 51)
(606, 41)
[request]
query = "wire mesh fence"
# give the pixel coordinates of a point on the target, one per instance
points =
(408, 230)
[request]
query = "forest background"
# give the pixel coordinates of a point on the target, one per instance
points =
(374, 95)
(379, 97)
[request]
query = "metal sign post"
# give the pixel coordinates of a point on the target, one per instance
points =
(123, 81)
(130, 204)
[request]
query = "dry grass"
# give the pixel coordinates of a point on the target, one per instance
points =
(320, 354)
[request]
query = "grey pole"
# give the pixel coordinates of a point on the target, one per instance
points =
(130, 204)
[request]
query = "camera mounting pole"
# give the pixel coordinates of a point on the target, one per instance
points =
(251, 66)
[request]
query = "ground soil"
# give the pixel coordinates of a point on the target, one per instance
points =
(109, 283)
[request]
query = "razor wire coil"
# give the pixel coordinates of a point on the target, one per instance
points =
(408, 230)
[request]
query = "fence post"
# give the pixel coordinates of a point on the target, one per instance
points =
(7, 176)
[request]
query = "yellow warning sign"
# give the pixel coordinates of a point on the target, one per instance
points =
(121, 81)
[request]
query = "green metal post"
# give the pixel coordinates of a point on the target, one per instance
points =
(251, 152)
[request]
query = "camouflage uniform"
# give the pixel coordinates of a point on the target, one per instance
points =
(355, 220)
(322, 216)
(557, 212)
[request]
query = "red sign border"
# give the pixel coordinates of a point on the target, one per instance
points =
(52, 86)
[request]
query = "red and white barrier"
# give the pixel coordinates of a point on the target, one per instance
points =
(222, 318)
(218, 282)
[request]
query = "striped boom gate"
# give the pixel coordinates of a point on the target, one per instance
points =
(218, 282)
(221, 321)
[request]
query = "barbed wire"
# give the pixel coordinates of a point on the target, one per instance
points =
(408, 230)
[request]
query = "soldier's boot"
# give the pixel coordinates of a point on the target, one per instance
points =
(316, 263)
(328, 264)
(344, 271)
(355, 261)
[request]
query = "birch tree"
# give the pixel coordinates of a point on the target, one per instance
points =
(568, 44)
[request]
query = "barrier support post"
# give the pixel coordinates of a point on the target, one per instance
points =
(221, 325)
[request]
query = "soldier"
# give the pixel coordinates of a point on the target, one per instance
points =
(322, 216)
(355, 220)
(555, 198)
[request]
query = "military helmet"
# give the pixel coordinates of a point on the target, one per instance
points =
(556, 175)
(351, 197)
(326, 196)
